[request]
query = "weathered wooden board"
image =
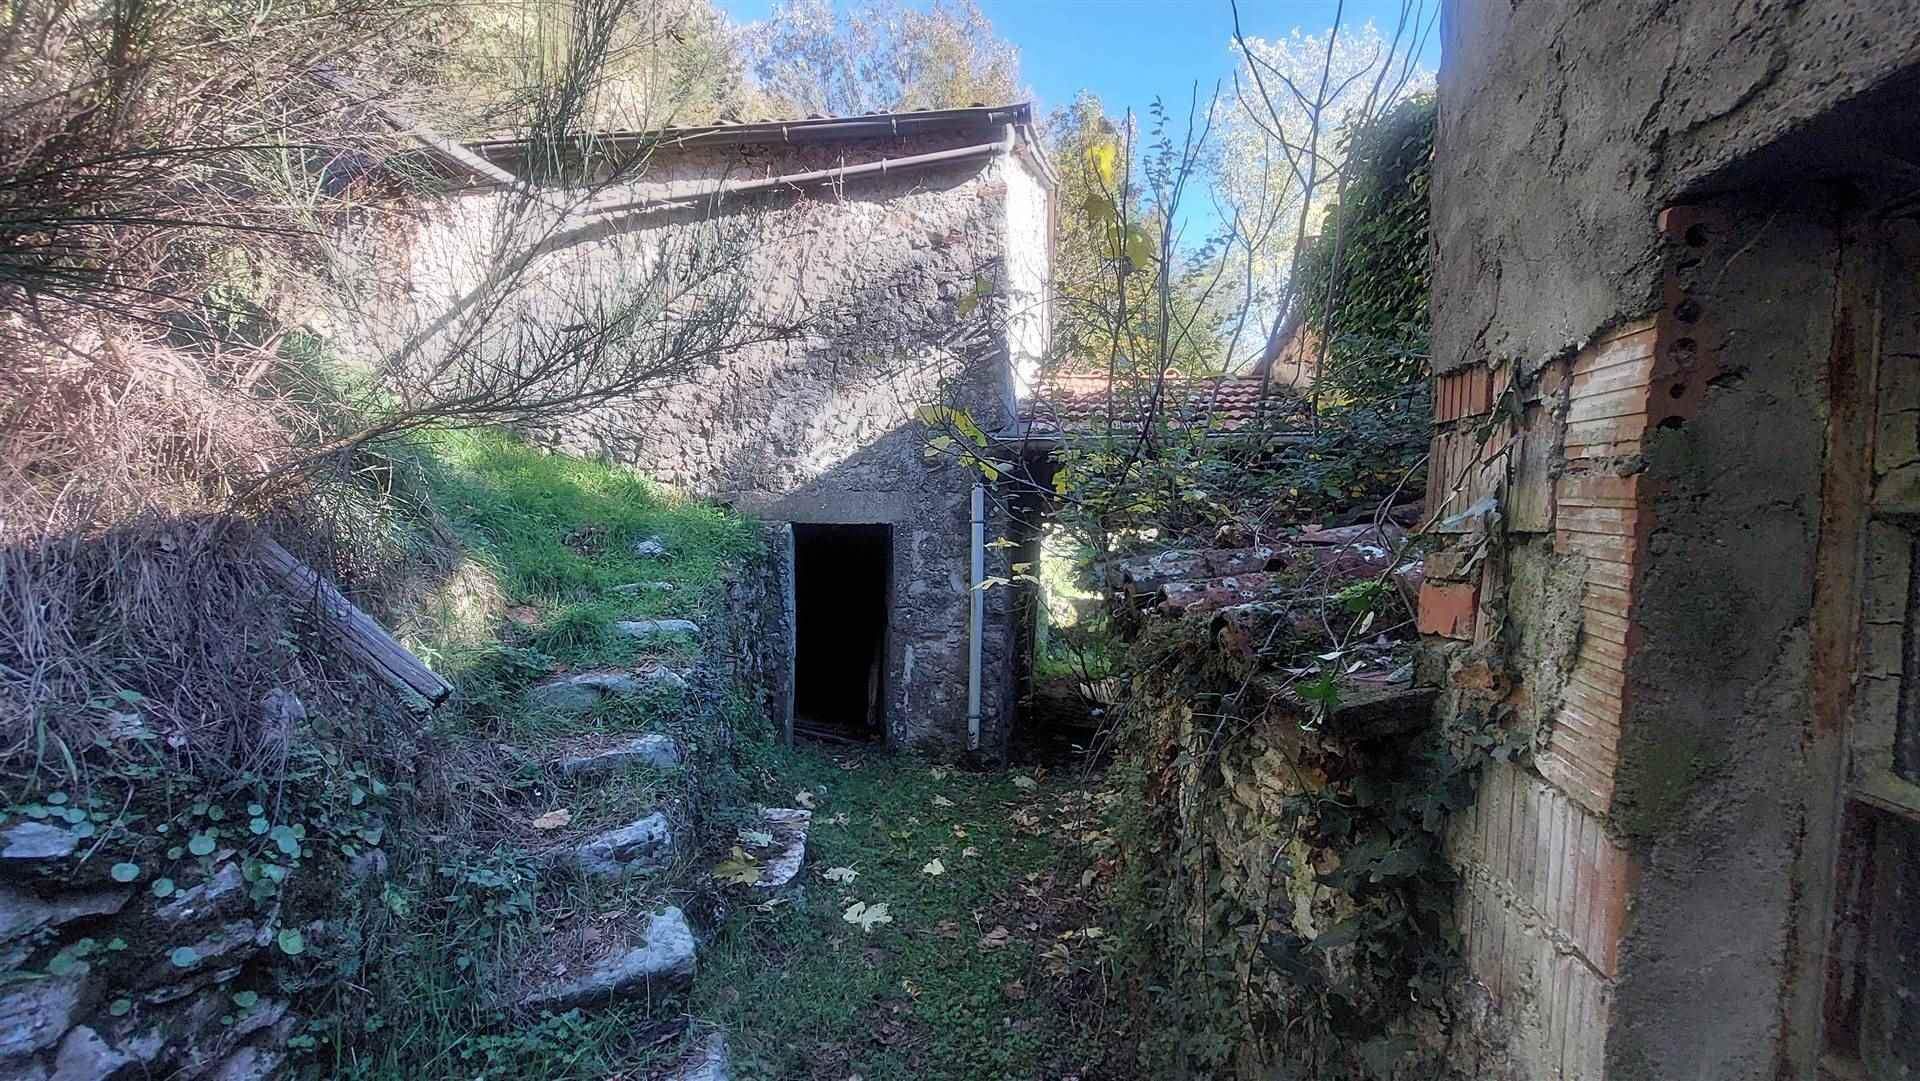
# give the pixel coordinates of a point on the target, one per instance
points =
(355, 631)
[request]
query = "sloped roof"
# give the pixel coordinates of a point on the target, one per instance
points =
(812, 129)
(1078, 402)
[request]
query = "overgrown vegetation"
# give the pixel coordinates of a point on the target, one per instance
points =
(981, 954)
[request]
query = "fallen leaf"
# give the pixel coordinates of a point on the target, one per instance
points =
(940, 773)
(995, 938)
(553, 820)
(866, 915)
(934, 867)
(1022, 781)
(959, 833)
(839, 874)
(942, 801)
(840, 819)
(739, 868)
(804, 798)
(970, 852)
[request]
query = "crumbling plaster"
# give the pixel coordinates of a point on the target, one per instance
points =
(1586, 118)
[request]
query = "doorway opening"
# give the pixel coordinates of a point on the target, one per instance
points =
(840, 590)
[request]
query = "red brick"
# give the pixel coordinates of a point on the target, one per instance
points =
(1447, 608)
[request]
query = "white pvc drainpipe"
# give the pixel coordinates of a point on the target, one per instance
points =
(977, 595)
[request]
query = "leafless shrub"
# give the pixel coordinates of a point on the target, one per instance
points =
(178, 179)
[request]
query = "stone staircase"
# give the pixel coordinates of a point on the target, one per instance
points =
(662, 959)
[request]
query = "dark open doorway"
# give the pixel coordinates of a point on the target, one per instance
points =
(840, 590)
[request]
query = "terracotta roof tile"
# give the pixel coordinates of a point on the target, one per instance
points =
(1078, 402)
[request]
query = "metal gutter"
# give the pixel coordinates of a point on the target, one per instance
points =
(814, 130)
(813, 178)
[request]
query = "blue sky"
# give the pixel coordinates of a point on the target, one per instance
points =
(1129, 50)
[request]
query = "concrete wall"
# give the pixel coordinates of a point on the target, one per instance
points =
(867, 302)
(1641, 215)
(1565, 126)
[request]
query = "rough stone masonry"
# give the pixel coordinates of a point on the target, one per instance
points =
(868, 297)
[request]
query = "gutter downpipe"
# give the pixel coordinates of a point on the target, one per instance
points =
(977, 583)
(977, 598)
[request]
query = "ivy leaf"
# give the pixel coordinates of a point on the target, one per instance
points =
(1340, 934)
(756, 838)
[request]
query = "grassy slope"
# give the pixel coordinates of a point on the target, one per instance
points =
(468, 907)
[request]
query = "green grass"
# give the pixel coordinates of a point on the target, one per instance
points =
(557, 533)
(468, 906)
(805, 994)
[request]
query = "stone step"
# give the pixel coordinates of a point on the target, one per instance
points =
(789, 826)
(585, 690)
(661, 964)
(655, 750)
(649, 629)
(642, 846)
(707, 1060)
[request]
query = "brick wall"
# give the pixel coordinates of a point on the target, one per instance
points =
(1543, 472)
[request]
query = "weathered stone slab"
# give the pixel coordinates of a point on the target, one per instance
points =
(36, 842)
(23, 913)
(664, 963)
(217, 894)
(34, 1015)
(709, 1060)
(638, 847)
(655, 750)
(650, 548)
(649, 629)
(789, 826)
(584, 690)
(85, 1056)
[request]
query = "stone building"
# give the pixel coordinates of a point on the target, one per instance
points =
(870, 267)
(1677, 345)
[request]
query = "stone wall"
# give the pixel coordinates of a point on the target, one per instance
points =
(865, 302)
(1642, 307)
(192, 985)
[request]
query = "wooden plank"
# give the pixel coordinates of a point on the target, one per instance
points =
(354, 630)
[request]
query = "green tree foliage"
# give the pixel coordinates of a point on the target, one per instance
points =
(1365, 282)
(1109, 251)
(660, 63)
(880, 56)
